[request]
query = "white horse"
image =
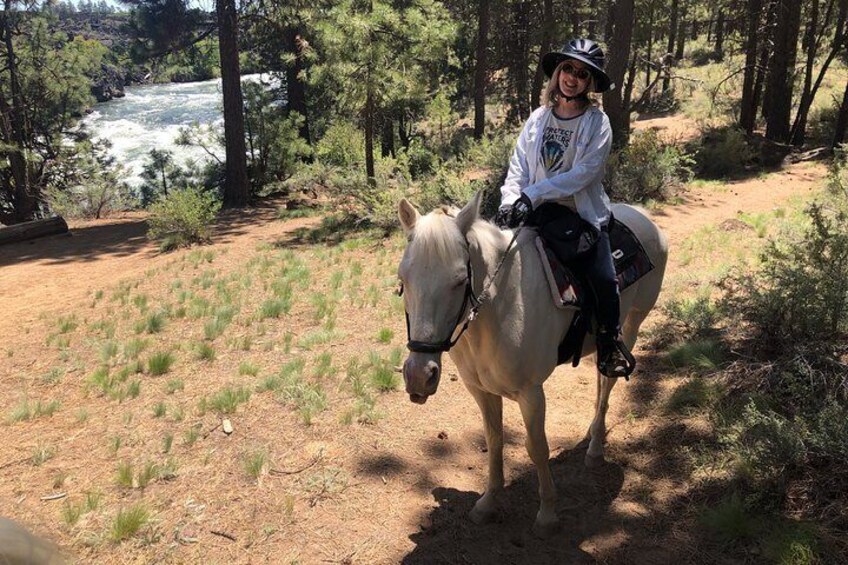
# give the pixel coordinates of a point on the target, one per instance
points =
(511, 347)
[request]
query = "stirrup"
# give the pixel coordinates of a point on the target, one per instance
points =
(614, 360)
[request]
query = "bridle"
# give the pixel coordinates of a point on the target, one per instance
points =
(469, 297)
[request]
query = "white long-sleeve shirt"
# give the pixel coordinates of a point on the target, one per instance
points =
(583, 181)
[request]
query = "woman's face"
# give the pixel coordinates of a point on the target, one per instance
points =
(573, 78)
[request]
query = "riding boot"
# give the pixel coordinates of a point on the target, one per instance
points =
(614, 358)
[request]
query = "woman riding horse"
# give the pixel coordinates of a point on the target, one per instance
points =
(557, 168)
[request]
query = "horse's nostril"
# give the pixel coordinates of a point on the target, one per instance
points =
(433, 378)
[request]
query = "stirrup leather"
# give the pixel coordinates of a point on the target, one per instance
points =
(614, 359)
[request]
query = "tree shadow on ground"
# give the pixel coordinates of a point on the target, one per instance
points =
(583, 499)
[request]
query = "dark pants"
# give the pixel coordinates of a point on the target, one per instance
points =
(599, 269)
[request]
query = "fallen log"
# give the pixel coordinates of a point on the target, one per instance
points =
(31, 230)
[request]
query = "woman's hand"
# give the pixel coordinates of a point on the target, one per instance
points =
(512, 216)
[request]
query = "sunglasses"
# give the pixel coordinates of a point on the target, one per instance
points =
(581, 74)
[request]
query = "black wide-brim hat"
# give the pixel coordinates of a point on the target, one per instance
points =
(554, 58)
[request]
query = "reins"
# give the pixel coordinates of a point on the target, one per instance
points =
(476, 303)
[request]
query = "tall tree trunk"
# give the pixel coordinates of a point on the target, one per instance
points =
(809, 43)
(592, 25)
(618, 58)
(799, 127)
(369, 132)
(295, 87)
(547, 39)
(236, 185)
(519, 59)
(650, 57)
(841, 120)
(719, 36)
(681, 35)
(672, 37)
(387, 137)
(781, 69)
(24, 196)
(748, 111)
(481, 68)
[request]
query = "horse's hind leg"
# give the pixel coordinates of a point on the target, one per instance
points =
(598, 428)
(491, 407)
(532, 404)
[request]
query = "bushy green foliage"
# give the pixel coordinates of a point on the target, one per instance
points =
(274, 145)
(183, 217)
(788, 411)
(722, 152)
(86, 182)
(649, 168)
(799, 297)
(342, 145)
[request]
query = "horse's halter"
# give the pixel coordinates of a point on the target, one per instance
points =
(476, 302)
(445, 345)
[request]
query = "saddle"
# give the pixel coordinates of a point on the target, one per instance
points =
(570, 291)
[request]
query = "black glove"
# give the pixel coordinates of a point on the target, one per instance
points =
(502, 217)
(521, 210)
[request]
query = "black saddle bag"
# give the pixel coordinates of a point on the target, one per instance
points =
(566, 233)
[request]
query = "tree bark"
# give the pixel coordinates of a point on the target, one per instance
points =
(841, 121)
(781, 69)
(236, 184)
(681, 35)
(618, 58)
(799, 126)
(24, 197)
(672, 37)
(748, 110)
(520, 54)
(33, 229)
(650, 44)
(719, 37)
(295, 88)
(481, 68)
(369, 132)
(547, 39)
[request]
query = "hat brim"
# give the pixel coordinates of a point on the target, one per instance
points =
(554, 58)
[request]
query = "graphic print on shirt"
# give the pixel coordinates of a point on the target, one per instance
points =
(555, 142)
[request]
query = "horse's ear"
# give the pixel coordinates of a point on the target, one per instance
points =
(470, 213)
(408, 215)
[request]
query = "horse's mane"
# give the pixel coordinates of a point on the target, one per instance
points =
(438, 234)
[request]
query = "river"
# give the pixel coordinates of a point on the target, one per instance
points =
(151, 116)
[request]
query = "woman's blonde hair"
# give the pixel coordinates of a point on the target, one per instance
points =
(551, 94)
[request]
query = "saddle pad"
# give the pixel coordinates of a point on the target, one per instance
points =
(631, 264)
(564, 291)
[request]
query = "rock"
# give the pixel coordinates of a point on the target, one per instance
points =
(108, 84)
(228, 426)
(443, 435)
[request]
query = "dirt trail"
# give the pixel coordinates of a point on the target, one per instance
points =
(417, 473)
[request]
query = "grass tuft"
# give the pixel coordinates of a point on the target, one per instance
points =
(128, 522)
(160, 363)
(227, 400)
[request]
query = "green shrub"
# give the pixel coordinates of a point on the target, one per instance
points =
(420, 160)
(160, 363)
(227, 400)
(183, 217)
(343, 145)
(647, 169)
(799, 296)
(722, 152)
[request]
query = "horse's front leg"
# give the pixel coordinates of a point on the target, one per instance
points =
(491, 406)
(532, 404)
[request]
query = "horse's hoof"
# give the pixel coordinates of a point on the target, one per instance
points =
(545, 528)
(593, 461)
(480, 516)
